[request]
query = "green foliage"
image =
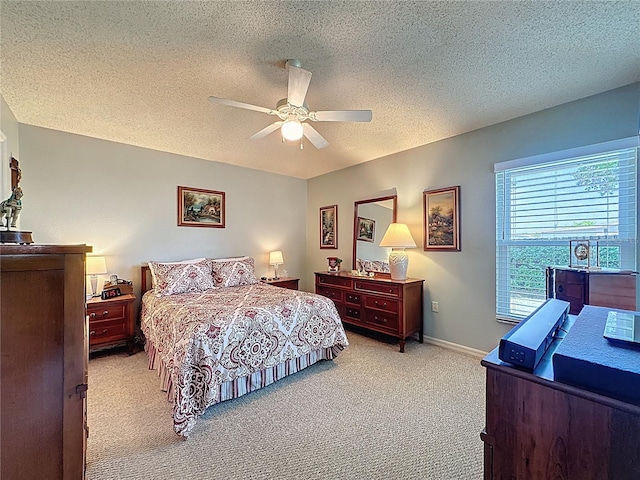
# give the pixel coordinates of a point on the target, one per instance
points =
(600, 177)
(527, 264)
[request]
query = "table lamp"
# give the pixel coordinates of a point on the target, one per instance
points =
(95, 266)
(398, 238)
(275, 259)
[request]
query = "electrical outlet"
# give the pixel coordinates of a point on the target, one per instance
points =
(434, 307)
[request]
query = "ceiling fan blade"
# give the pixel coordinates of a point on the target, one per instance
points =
(233, 103)
(313, 136)
(343, 116)
(266, 131)
(298, 84)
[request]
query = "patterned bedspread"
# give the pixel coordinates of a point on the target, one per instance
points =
(203, 340)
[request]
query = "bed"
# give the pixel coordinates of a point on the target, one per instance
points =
(214, 333)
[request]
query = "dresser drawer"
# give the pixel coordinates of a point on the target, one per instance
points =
(105, 312)
(334, 280)
(381, 303)
(385, 288)
(384, 320)
(353, 298)
(107, 331)
(352, 313)
(332, 293)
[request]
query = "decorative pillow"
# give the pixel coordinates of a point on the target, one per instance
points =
(234, 272)
(154, 280)
(172, 278)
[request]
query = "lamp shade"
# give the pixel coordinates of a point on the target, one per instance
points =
(275, 258)
(397, 236)
(96, 266)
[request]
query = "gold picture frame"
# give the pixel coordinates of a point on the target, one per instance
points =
(198, 207)
(441, 210)
(329, 227)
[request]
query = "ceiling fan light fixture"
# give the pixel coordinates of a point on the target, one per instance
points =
(291, 130)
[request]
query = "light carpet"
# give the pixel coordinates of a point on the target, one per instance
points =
(372, 413)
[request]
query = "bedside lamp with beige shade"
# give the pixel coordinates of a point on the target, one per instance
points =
(398, 238)
(275, 259)
(96, 265)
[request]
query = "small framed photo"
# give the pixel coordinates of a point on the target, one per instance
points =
(200, 208)
(329, 227)
(442, 219)
(366, 229)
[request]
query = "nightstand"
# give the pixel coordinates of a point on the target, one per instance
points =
(111, 322)
(284, 282)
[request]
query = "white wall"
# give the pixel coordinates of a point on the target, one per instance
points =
(463, 283)
(122, 200)
(9, 143)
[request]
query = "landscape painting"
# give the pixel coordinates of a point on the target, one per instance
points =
(442, 219)
(200, 208)
(366, 229)
(329, 227)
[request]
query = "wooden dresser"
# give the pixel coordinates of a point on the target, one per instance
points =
(604, 288)
(540, 428)
(44, 361)
(391, 307)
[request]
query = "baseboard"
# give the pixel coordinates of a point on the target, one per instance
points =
(454, 346)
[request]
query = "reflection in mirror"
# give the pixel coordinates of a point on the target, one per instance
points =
(371, 220)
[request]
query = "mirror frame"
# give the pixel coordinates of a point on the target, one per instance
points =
(355, 219)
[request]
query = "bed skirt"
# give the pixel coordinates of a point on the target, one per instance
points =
(243, 385)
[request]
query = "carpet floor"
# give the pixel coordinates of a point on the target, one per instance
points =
(372, 413)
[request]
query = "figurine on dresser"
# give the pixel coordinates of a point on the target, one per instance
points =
(10, 209)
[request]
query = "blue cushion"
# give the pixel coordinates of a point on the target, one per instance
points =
(586, 359)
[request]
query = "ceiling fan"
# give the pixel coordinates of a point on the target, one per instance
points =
(294, 113)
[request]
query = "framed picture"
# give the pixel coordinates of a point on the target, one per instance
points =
(442, 219)
(200, 208)
(366, 229)
(329, 227)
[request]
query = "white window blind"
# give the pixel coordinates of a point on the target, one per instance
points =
(540, 207)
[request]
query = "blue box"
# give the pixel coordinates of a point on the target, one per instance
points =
(586, 359)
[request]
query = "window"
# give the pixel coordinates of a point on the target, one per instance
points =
(544, 202)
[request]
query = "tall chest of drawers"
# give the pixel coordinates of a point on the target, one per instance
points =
(43, 340)
(391, 307)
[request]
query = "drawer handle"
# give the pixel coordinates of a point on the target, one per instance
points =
(93, 332)
(384, 304)
(378, 319)
(560, 289)
(103, 314)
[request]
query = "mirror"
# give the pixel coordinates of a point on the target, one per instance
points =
(371, 220)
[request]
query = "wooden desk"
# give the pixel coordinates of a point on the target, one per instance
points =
(537, 428)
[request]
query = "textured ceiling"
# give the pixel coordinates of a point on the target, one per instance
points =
(140, 72)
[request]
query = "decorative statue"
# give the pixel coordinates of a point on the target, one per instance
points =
(11, 207)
